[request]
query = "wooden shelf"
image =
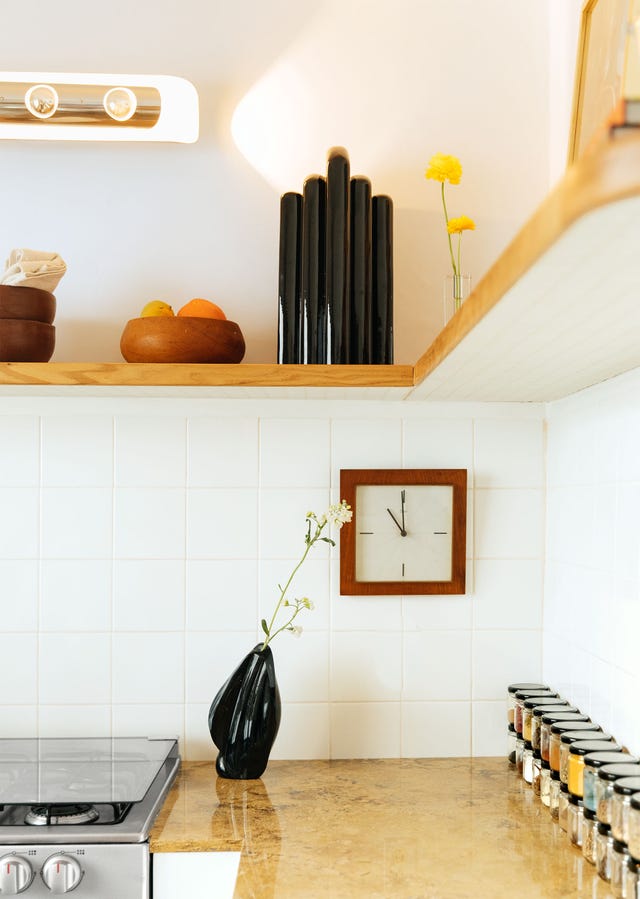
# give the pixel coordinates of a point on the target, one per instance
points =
(559, 311)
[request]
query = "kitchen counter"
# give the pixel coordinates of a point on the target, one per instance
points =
(367, 829)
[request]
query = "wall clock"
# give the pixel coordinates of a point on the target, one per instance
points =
(408, 532)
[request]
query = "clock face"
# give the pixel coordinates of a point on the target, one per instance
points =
(403, 532)
(408, 533)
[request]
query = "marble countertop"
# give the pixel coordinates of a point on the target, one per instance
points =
(367, 829)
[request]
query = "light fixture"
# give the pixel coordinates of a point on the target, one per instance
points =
(61, 106)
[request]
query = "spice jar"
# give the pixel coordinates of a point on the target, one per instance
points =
(633, 878)
(550, 717)
(511, 745)
(592, 764)
(512, 689)
(562, 727)
(575, 736)
(554, 794)
(519, 754)
(607, 776)
(537, 772)
(540, 710)
(532, 703)
(527, 763)
(574, 820)
(623, 790)
(634, 827)
(577, 752)
(619, 860)
(520, 698)
(545, 782)
(604, 848)
(589, 825)
(563, 806)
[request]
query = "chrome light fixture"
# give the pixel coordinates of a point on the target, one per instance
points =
(58, 106)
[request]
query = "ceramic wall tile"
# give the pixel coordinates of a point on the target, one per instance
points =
(150, 451)
(18, 669)
(148, 668)
(75, 721)
(149, 523)
(222, 452)
(508, 524)
(438, 443)
(19, 451)
(367, 730)
(75, 595)
(19, 523)
(437, 665)
(19, 594)
(222, 594)
(436, 729)
(283, 522)
(77, 451)
(489, 728)
(501, 658)
(508, 453)
(304, 731)
(294, 453)
(148, 595)
(163, 720)
(508, 594)
(222, 523)
(77, 523)
(211, 657)
(365, 666)
(75, 669)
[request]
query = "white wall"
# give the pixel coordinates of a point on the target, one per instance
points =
(142, 541)
(394, 83)
(592, 589)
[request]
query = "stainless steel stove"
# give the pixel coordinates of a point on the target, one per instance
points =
(75, 814)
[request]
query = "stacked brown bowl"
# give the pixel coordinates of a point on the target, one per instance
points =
(26, 330)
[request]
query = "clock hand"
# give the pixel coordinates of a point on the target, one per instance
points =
(400, 528)
(402, 498)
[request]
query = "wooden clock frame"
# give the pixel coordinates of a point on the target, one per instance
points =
(352, 478)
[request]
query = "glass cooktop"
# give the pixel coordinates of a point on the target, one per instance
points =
(78, 770)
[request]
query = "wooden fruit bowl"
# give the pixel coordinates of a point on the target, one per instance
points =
(29, 303)
(181, 339)
(26, 341)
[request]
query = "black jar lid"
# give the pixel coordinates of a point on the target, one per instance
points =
(512, 729)
(527, 694)
(533, 702)
(564, 788)
(635, 803)
(541, 710)
(561, 726)
(633, 865)
(619, 769)
(527, 745)
(588, 813)
(513, 688)
(619, 846)
(604, 829)
(602, 757)
(584, 747)
(627, 786)
(555, 775)
(545, 765)
(572, 736)
(536, 754)
(550, 715)
(575, 800)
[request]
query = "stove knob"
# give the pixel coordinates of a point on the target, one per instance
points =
(16, 875)
(61, 873)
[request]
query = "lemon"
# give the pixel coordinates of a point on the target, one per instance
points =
(156, 307)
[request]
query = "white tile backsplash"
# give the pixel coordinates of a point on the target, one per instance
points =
(141, 543)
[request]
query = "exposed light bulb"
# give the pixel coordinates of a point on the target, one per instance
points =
(120, 103)
(41, 100)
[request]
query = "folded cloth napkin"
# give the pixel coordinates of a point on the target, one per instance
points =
(32, 268)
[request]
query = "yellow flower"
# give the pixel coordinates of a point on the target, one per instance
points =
(444, 168)
(462, 223)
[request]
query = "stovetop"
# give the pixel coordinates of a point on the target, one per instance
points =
(85, 790)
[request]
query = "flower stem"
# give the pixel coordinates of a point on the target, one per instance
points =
(283, 590)
(446, 223)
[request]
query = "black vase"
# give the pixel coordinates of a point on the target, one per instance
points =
(245, 716)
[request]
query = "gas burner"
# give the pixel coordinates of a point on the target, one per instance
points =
(61, 814)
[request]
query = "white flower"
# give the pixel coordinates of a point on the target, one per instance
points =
(295, 630)
(307, 603)
(339, 514)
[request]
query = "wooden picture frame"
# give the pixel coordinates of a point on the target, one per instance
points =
(388, 533)
(599, 70)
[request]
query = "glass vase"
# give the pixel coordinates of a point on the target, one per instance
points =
(456, 290)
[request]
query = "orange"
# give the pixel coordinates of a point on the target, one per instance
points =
(199, 308)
